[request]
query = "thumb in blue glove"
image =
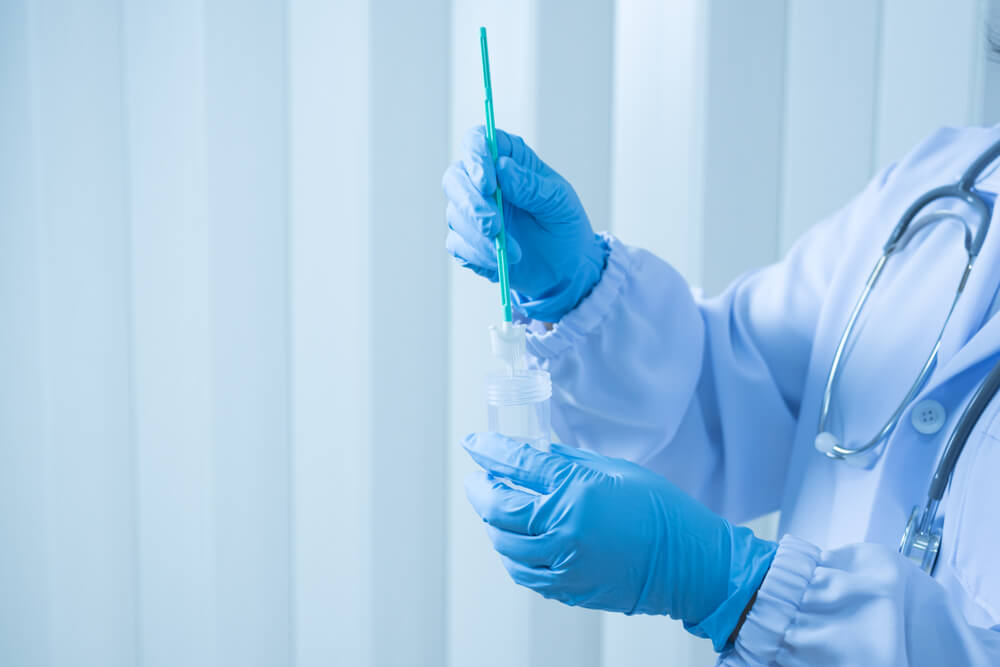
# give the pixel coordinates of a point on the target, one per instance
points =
(608, 534)
(555, 257)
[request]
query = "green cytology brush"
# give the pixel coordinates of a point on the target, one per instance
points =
(491, 139)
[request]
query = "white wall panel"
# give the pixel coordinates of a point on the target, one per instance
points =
(830, 102)
(742, 120)
(172, 293)
(408, 133)
(573, 81)
(655, 196)
(245, 152)
(24, 561)
(930, 71)
(331, 391)
(84, 331)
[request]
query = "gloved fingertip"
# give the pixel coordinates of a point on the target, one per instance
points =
(474, 140)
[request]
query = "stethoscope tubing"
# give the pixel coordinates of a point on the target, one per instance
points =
(898, 239)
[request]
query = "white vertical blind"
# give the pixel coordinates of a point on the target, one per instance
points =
(655, 120)
(930, 71)
(208, 270)
(408, 325)
(831, 74)
(329, 307)
(234, 361)
(72, 443)
(24, 602)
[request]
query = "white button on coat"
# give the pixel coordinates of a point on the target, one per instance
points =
(927, 417)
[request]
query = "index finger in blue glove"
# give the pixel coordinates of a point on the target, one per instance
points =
(504, 507)
(519, 462)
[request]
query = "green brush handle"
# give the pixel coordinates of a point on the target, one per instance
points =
(500, 242)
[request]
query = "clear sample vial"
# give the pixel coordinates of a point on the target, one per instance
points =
(518, 406)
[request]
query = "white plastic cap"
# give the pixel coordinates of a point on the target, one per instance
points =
(508, 344)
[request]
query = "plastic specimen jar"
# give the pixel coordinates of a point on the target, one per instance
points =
(518, 406)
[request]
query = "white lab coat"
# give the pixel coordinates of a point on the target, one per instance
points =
(722, 396)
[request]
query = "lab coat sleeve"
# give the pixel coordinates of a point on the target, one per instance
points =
(705, 392)
(862, 604)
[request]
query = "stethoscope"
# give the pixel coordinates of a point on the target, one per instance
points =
(921, 540)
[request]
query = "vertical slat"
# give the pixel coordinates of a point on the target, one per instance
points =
(655, 176)
(84, 305)
(407, 139)
(574, 54)
(931, 56)
(24, 603)
(173, 333)
(830, 97)
(330, 263)
(245, 153)
(740, 156)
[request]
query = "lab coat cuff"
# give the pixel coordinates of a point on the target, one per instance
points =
(590, 313)
(762, 637)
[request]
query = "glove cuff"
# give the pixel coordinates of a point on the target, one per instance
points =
(591, 312)
(749, 560)
(551, 307)
(760, 639)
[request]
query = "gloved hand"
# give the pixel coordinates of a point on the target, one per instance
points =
(608, 534)
(554, 256)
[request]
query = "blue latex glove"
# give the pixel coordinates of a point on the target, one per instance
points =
(554, 256)
(608, 534)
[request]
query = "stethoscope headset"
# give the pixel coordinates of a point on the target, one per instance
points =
(921, 541)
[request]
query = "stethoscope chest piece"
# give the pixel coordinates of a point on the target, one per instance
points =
(920, 545)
